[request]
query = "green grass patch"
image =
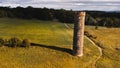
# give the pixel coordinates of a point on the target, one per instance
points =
(109, 40)
(51, 46)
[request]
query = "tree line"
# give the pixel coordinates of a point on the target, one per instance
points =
(98, 18)
(37, 13)
(102, 18)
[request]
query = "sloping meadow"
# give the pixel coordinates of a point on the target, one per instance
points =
(51, 46)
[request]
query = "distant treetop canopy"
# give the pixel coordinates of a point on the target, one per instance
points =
(100, 18)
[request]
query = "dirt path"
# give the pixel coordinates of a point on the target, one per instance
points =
(100, 50)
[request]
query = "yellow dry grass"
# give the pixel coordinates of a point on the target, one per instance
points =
(52, 46)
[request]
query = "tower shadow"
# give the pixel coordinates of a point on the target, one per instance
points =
(69, 51)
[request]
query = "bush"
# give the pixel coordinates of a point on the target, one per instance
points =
(26, 43)
(89, 35)
(14, 42)
(96, 27)
(2, 42)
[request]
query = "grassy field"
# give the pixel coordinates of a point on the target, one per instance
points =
(109, 40)
(52, 46)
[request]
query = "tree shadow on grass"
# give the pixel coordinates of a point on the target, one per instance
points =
(54, 48)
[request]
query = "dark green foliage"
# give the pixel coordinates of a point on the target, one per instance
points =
(65, 16)
(108, 19)
(96, 27)
(25, 43)
(2, 42)
(14, 42)
(38, 13)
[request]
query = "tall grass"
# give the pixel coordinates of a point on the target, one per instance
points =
(52, 46)
(109, 40)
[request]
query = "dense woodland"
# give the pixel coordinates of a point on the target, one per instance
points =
(98, 18)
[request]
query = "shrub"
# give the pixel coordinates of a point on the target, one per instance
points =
(26, 43)
(89, 35)
(96, 27)
(2, 42)
(14, 42)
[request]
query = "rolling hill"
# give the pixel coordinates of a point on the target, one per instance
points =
(52, 46)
